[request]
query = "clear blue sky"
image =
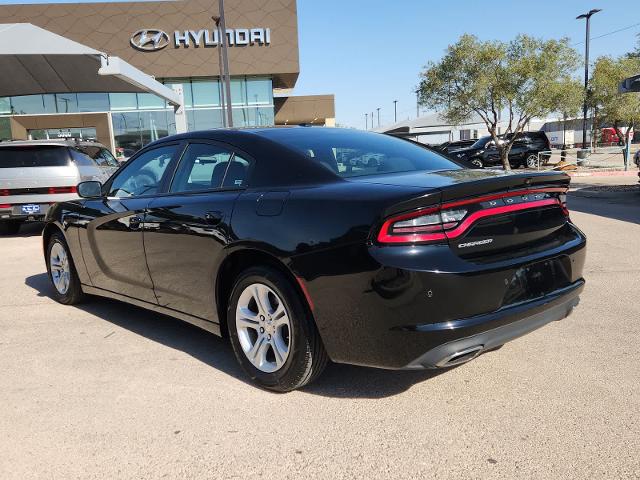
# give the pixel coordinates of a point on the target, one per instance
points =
(370, 52)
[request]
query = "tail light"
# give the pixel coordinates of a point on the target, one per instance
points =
(4, 192)
(55, 190)
(454, 219)
(4, 206)
(421, 226)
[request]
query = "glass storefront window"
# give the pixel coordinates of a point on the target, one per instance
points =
(123, 101)
(126, 131)
(259, 91)
(149, 100)
(33, 104)
(238, 91)
(5, 128)
(66, 102)
(204, 119)
(206, 93)
(186, 88)
(5, 105)
(93, 102)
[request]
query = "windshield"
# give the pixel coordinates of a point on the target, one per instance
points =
(34, 156)
(481, 142)
(351, 153)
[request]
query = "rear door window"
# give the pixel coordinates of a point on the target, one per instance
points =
(34, 156)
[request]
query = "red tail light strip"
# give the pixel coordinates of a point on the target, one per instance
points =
(54, 190)
(489, 212)
(385, 235)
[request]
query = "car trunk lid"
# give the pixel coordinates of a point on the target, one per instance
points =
(480, 212)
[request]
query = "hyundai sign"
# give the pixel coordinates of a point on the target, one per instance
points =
(150, 39)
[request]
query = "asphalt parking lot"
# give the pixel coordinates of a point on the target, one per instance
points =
(106, 390)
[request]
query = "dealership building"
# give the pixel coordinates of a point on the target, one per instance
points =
(177, 43)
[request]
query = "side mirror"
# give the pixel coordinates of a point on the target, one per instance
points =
(90, 189)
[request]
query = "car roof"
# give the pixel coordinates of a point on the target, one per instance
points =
(56, 143)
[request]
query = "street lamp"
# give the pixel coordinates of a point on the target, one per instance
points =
(224, 58)
(366, 121)
(378, 109)
(586, 16)
(395, 111)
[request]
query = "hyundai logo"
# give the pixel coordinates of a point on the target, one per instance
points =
(149, 40)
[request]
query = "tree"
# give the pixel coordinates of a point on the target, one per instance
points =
(636, 52)
(521, 79)
(620, 110)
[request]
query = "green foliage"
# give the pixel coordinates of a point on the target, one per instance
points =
(524, 78)
(622, 110)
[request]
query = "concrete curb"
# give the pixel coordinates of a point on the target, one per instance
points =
(610, 173)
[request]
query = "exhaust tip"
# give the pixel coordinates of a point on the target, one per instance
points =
(461, 356)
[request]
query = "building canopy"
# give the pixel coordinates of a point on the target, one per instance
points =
(35, 61)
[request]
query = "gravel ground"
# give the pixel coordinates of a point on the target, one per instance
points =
(106, 390)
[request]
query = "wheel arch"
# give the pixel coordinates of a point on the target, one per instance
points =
(238, 261)
(49, 229)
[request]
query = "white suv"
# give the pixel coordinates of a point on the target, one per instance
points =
(35, 174)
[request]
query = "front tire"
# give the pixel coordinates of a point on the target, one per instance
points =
(532, 161)
(62, 272)
(272, 333)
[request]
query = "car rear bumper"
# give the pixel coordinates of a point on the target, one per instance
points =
(517, 320)
(413, 306)
(15, 212)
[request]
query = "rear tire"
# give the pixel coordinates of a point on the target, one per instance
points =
(10, 227)
(62, 272)
(477, 162)
(280, 356)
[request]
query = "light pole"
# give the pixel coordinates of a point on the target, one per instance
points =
(372, 127)
(222, 37)
(366, 121)
(586, 16)
(395, 111)
(378, 109)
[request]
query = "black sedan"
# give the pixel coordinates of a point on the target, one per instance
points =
(304, 245)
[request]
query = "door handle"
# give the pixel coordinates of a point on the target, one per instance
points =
(134, 222)
(213, 218)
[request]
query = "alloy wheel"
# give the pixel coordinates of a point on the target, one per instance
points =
(60, 269)
(264, 327)
(532, 161)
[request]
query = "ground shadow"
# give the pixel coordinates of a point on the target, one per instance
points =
(341, 381)
(27, 229)
(621, 205)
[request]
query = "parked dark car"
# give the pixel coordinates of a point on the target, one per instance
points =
(308, 244)
(448, 147)
(524, 152)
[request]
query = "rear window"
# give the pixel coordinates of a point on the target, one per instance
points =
(100, 155)
(351, 153)
(34, 156)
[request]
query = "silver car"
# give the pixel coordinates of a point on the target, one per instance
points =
(35, 174)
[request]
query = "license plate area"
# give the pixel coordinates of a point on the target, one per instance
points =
(538, 279)
(30, 209)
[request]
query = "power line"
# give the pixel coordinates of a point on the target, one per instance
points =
(609, 33)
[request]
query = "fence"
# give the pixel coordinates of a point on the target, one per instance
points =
(605, 157)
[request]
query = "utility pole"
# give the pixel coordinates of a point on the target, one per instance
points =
(223, 103)
(372, 127)
(366, 121)
(378, 109)
(225, 61)
(395, 111)
(585, 107)
(417, 104)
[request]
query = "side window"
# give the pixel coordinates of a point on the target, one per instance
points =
(202, 167)
(237, 173)
(81, 159)
(108, 159)
(205, 167)
(144, 174)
